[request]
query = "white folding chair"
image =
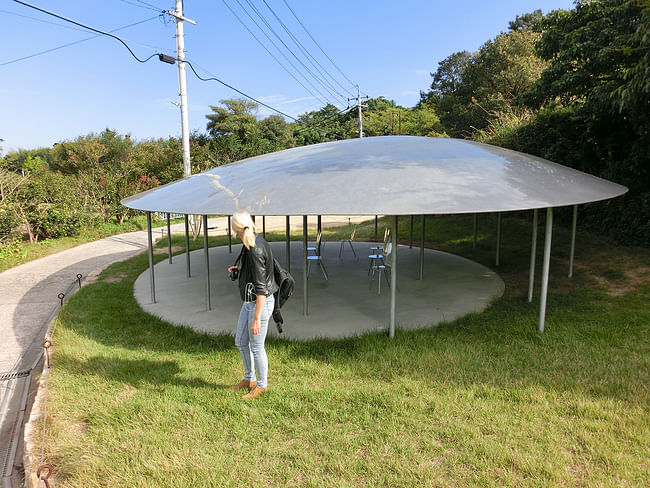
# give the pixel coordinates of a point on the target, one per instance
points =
(316, 257)
(382, 266)
(376, 252)
(349, 241)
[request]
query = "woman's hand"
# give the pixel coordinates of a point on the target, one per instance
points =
(255, 327)
(230, 268)
(257, 322)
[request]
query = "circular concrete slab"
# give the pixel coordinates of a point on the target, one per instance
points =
(345, 305)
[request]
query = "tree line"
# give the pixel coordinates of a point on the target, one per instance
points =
(571, 86)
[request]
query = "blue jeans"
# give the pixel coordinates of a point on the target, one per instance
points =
(251, 347)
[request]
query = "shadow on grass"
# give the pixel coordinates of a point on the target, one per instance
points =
(135, 372)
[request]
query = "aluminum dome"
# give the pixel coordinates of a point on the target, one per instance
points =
(388, 175)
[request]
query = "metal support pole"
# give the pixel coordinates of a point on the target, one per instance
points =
(288, 225)
(264, 226)
(498, 238)
(207, 262)
(152, 281)
(573, 239)
(187, 244)
(229, 237)
(169, 238)
(411, 234)
(305, 303)
(376, 228)
(545, 269)
(421, 275)
(533, 252)
(475, 229)
(393, 281)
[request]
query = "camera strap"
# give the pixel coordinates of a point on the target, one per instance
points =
(239, 258)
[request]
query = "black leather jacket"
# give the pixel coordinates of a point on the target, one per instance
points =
(256, 276)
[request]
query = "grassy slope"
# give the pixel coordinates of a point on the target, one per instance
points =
(483, 401)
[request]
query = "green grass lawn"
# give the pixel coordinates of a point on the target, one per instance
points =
(481, 401)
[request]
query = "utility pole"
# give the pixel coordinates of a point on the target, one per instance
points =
(182, 83)
(359, 106)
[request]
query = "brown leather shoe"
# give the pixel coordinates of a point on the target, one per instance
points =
(244, 384)
(254, 393)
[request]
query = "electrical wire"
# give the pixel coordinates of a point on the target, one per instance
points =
(300, 131)
(143, 5)
(314, 62)
(214, 78)
(298, 121)
(323, 97)
(155, 54)
(85, 27)
(42, 20)
(319, 47)
(268, 25)
(75, 42)
(270, 53)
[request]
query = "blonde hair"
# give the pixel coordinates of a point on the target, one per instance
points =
(243, 222)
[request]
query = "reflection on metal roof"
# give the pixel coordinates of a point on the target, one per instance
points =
(390, 175)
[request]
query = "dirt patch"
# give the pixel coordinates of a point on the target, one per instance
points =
(163, 250)
(635, 277)
(116, 278)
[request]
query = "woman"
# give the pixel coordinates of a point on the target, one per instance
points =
(256, 287)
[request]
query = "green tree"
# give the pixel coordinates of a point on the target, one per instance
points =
(595, 99)
(470, 90)
(236, 118)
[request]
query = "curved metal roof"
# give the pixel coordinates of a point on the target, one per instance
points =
(388, 175)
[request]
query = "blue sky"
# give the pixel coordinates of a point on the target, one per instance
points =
(388, 47)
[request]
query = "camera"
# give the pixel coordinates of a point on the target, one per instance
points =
(234, 274)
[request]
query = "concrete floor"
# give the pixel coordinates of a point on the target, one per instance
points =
(347, 304)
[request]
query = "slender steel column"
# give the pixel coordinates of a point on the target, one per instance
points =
(229, 237)
(264, 226)
(305, 302)
(545, 269)
(421, 275)
(207, 262)
(475, 229)
(498, 238)
(533, 252)
(411, 234)
(288, 225)
(393, 282)
(573, 239)
(320, 226)
(187, 244)
(376, 228)
(152, 281)
(169, 238)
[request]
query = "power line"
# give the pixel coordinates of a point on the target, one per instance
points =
(214, 78)
(85, 27)
(259, 14)
(75, 42)
(42, 20)
(323, 97)
(298, 121)
(319, 47)
(270, 53)
(314, 62)
(143, 5)
(160, 55)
